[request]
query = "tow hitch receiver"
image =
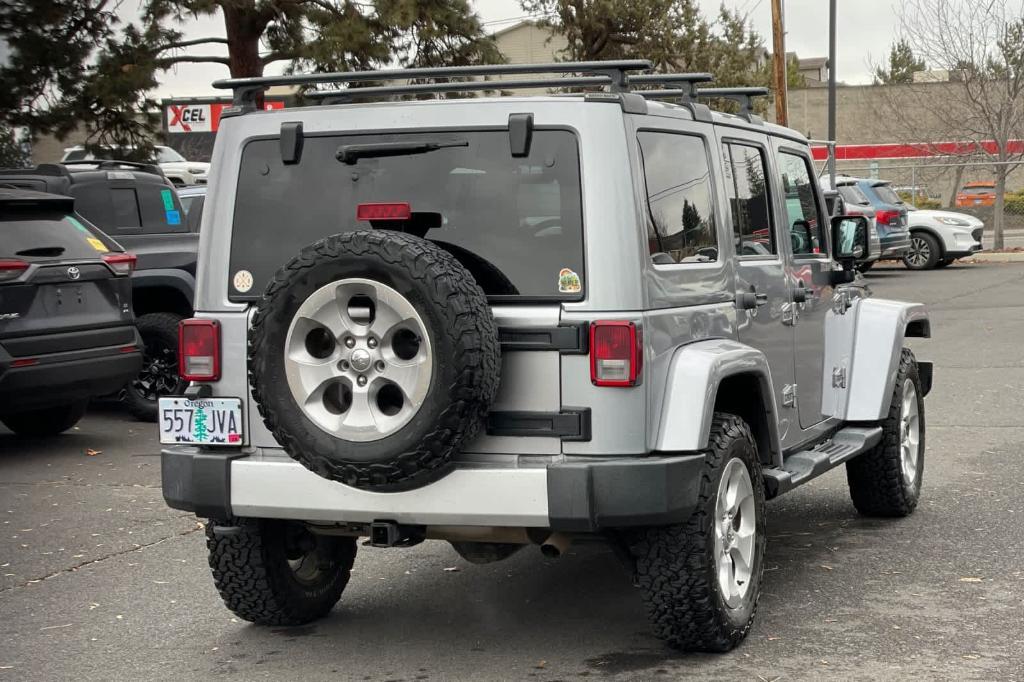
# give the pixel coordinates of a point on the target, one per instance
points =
(391, 534)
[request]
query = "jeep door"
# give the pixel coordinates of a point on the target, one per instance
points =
(800, 209)
(762, 288)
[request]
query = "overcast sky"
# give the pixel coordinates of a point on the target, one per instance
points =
(866, 28)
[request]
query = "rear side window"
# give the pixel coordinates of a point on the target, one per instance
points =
(679, 197)
(34, 234)
(853, 195)
(515, 222)
(125, 203)
(887, 194)
(745, 180)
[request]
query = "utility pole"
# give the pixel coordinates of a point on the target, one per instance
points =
(832, 91)
(779, 64)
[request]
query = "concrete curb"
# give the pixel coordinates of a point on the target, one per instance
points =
(1009, 257)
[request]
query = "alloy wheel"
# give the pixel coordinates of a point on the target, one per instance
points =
(735, 533)
(910, 433)
(919, 253)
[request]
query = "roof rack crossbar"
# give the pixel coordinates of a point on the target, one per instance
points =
(689, 82)
(742, 96)
(103, 164)
(349, 94)
(247, 89)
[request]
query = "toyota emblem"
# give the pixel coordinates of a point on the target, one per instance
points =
(74, 273)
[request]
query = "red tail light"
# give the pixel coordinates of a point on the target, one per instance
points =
(120, 263)
(11, 269)
(199, 350)
(396, 211)
(887, 217)
(615, 353)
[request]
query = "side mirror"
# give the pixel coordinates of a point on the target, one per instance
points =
(849, 239)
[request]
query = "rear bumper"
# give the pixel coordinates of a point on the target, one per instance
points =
(895, 245)
(581, 495)
(70, 376)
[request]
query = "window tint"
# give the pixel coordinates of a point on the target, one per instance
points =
(886, 194)
(853, 195)
(679, 197)
(125, 203)
(35, 234)
(76, 155)
(806, 227)
(745, 174)
(515, 223)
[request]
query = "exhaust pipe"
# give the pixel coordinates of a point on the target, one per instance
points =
(555, 545)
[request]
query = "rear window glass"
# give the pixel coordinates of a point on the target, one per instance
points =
(515, 223)
(125, 203)
(887, 194)
(42, 235)
(852, 194)
(977, 190)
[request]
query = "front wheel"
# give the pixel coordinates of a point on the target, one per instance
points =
(701, 579)
(886, 480)
(925, 252)
(273, 572)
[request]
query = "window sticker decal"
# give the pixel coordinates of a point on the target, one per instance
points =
(168, 198)
(568, 282)
(97, 244)
(173, 218)
(242, 281)
(74, 221)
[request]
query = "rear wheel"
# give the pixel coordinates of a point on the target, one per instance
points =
(273, 572)
(925, 252)
(49, 421)
(159, 374)
(701, 579)
(886, 480)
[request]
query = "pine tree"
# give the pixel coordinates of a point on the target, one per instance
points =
(200, 432)
(902, 65)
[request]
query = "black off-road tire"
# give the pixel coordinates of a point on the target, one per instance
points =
(159, 332)
(876, 481)
(945, 262)
(251, 571)
(463, 338)
(675, 564)
(49, 421)
(864, 267)
(934, 251)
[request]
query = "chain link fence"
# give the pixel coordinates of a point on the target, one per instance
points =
(963, 186)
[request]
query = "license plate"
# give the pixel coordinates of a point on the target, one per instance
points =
(208, 421)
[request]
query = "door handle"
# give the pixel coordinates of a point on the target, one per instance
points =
(749, 300)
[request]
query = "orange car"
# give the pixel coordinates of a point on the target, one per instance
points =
(976, 194)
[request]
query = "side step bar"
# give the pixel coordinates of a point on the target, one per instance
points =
(800, 467)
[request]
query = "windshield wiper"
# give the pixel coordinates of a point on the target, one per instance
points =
(351, 153)
(42, 251)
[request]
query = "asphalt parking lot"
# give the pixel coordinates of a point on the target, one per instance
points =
(99, 580)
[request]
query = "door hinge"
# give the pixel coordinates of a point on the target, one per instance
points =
(790, 314)
(838, 377)
(789, 395)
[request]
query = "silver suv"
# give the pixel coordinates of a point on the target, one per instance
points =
(518, 321)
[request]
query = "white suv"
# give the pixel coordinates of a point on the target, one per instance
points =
(937, 238)
(179, 170)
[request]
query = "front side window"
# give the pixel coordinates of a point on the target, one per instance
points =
(806, 226)
(745, 174)
(679, 198)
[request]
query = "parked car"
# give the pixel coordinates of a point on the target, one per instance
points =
(658, 387)
(192, 200)
(855, 202)
(66, 332)
(136, 205)
(179, 170)
(890, 214)
(937, 238)
(981, 193)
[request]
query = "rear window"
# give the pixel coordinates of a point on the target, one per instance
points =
(887, 194)
(852, 194)
(977, 190)
(33, 234)
(515, 223)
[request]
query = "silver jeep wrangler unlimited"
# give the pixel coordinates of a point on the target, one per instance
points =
(509, 321)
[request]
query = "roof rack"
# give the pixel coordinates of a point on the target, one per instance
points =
(349, 94)
(689, 80)
(48, 169)
(742, 96)
(104, 164)
(247, 90)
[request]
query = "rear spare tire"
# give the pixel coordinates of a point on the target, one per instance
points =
(373, 358)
